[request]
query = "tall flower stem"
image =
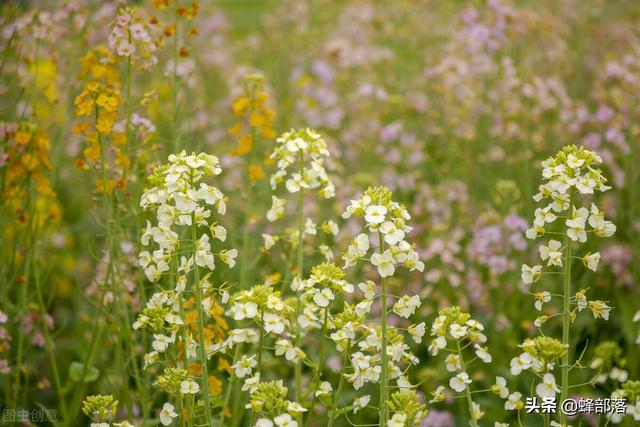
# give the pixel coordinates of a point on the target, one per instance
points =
(318, 372)
(202, 344)
(50, 347)
(336, 400)
(467, 391)
(230, 386)
(110, 217)
(109, 279)
(260, 350)
(383, 356)
(300, 268)
(25, 293)
(175, 137)
(566, 316)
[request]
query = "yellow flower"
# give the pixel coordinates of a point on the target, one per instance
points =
(240, 106)
(256, 173)
(107, 187)
(119, 138)
(22, 137)
(105, 123)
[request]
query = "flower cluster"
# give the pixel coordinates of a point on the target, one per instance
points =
(130, 38)
(251, 107)
(25, 160)
(181, 199)
(453, 331)
(571, 172)
(100, 408)
(300, 161)
(389, 220)
(568, 175)
(382, 349)
(630, 391)
(100, 104)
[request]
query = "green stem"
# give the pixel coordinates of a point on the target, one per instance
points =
(24, 294)
(474, 422)
(202, 344)
(318, 372)
(50, 347)
(336, 400)
(300, 269)
(383, 415)
(566, 317)
(260, 349)
(174, 82)
(230, 386)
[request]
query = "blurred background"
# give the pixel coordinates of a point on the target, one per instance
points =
(452, 105)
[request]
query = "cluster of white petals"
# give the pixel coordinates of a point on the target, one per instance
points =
(300, 156)
(389, 220)
(179, 198)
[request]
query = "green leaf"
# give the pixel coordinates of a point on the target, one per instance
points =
(77, 369)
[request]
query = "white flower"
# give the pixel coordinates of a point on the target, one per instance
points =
(591, 260)
(384, 262)
(548, 387)
(375, 214)
(417, 332)
(543, 216)
(406, 305)
(392, 234)
(397, 420)
(251, 383)
(576, 224)
(520, 363)
(619, 375)
(285, 420)
(457, 331)
(294, 407)
(514, 401)
(167, 414)
(500, 387)
(362, 244)
(273, 323)
(452, 363)
(325, 389)
(541, 298)
(264, 422)
(277, 209)
(476, 412)
(229, 257)
(360, 403)
(244, 366)
(291, 353)
(530, 274)
(368, 288)
(483, 354)
(599, 309)
(552, 253)
(323, 297)
(363, 307)
(248, 310)
(161, 342)
(269, 241)
(437, 344)
(189, 387)
(459, 382)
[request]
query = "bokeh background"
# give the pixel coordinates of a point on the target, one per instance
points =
(450, 104)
